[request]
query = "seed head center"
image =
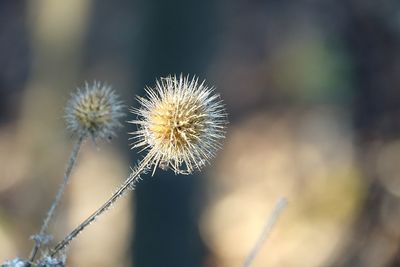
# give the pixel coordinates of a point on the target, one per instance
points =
(176, 125)
(93, 113)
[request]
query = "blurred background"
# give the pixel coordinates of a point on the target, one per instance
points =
(312, 89)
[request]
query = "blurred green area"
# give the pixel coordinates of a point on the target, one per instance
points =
(312, 92)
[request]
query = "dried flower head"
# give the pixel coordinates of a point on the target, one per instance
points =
(94, 110)
(181, 122)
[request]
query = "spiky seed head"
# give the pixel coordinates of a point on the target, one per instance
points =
(181, 122)
(94, 110)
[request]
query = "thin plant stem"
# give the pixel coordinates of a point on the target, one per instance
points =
(269, 225)
(129, 183)
(50, 213)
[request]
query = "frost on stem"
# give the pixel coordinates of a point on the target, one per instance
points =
(129, 183)
(42, 239)
(94, 110)
(17, 262)
(49, 261)
(183, 120)
(181, 124)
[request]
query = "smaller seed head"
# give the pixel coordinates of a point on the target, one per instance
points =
(181, 122)
(94, 110)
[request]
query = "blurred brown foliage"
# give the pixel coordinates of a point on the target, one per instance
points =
(312, 92)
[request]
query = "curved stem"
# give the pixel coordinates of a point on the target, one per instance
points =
(129, 183)
(273, 217)
(56, 201)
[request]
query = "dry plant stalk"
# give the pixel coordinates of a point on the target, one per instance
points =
(93, 111)
(266, 231)
(180, 125)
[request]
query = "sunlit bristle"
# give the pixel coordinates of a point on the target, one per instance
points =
(182, 120)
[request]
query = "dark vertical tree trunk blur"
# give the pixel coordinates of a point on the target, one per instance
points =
(177, 38)
(373, 42)
(14, 67)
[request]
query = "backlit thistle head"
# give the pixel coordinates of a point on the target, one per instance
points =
(181, 122)
(94, 110)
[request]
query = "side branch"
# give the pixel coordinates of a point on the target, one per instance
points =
(273, 217)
